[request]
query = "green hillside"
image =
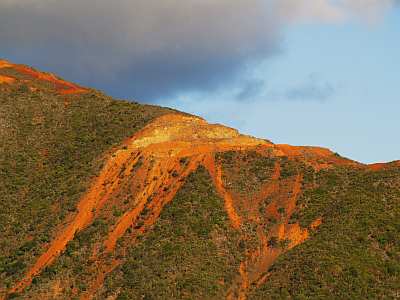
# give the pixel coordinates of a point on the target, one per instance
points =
(310, 224)
(51, 146)
(356, 252)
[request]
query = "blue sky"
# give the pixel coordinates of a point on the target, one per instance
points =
(359, 114)
(302, 72)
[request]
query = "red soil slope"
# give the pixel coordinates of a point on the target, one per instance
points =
(384, 166)
(61, 86)
(6, 79)
(157, 160)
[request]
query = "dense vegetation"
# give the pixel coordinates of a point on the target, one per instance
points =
(51, 145)
(191, 253)
(356, 252)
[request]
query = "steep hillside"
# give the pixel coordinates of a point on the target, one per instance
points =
(107, 199)
(52, 144)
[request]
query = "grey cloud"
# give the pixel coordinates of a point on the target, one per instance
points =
(151, 49)
(311, 90)
(148, 48)
(251, 89)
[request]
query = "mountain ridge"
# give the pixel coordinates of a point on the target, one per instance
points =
(260, 184)
(64, 87)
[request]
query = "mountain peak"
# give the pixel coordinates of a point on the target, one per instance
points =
(109, 199)
(35, 80)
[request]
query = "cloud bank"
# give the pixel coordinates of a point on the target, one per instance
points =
(151, 49)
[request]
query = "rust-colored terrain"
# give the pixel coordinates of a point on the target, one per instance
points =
(59, 85)
(275, 197)
(152, 161)
(6, 79)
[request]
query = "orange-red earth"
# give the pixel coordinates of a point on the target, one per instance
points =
(155, 156)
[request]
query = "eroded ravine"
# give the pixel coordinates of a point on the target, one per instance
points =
(253, 270)
(160, 157)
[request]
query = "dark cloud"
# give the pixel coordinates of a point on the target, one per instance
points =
(151, 49)
(251, 89)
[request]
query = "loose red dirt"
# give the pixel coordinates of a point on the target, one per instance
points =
(6, 79)
(61, 86)
(160, 157)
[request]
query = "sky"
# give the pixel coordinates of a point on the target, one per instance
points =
(302, 72)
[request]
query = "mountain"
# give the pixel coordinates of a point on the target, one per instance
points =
(109, 199)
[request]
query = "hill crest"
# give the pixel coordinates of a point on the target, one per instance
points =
(27, 75)
(270, 193)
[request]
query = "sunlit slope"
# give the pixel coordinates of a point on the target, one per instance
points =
(51, 145)
(105, 199)
(356, 252)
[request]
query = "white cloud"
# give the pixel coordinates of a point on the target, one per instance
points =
(331, 11)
